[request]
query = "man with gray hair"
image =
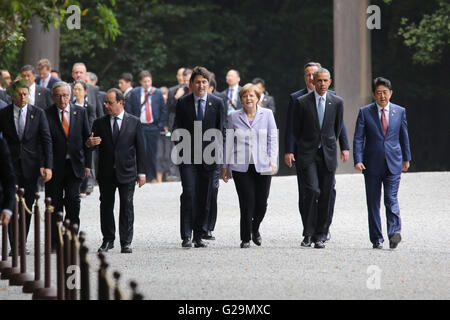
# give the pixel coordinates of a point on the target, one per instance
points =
(69, 127)
(317, 123)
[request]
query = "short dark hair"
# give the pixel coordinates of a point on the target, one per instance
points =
(144, 74)
(128, 77)
(213, 83)
(119, 94)
(20, 83)
(187, 71)
(82, 83)
(200, 71)
(380, 81)
(28, 67)
(259, 80)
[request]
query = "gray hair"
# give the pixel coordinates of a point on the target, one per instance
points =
(92, 76)
(78, 64)
(321, 70)
(60, 84)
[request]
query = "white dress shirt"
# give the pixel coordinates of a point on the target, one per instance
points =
(386, 112)
(143, 117)
(44, 82)
(32, 93)
(119, 120)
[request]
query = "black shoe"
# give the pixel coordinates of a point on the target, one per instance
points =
(106, 245)
(187, 243)
(256, 237)
(27, 252)
(208, 236)
(328, 236)
(319, 245)
(377, 245)
(306, 242)
(245, 245)
(126, 249)
(395, 240)
(199, 243)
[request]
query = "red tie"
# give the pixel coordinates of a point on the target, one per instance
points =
(148, 115)
(384, 123)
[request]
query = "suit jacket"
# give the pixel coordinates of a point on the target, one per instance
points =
(42, 98)
(74, 145)
(260, 139)
(94, 99)
(289, 138)
(5, 97)
(3, 104)
(7, 178)
(213, 119)
(268, 102)
(125, 159)
(309, 135)
(91, 112)
(159, 108)
(372, 148)
(238, 101)
(50, 83)
(34, 151)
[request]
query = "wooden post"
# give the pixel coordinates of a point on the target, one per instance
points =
(60, 258)
(103, 284)
(84, 269)
(67, 257)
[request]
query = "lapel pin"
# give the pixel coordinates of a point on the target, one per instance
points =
(74, 113)
(32, 116)
(210, 104)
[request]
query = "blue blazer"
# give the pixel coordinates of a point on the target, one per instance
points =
(50, 84)
(289, 139)
(260, 139)
(372, 148)
(159, 108)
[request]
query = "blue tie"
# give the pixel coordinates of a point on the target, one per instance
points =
(199, 110)
(321, 110)
(20, 125)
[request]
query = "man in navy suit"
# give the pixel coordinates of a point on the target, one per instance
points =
(45, 78)
(381, 151)
(118, 137)
(232, 93)
(147, 103)
(205, 109)
(25, 129)
(69, 127)
(289, 140)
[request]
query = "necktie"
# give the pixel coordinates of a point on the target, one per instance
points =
(65, 124)
(321, 110)
(148, 115)
(199, 110)
(115, 133)
(20, 125)
(230, 97)
(384, 123)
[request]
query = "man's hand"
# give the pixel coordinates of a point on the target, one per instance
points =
(5, 217)
(360, 166)
(46, 174)
(405, 166)
(140, 181)
(344, 155)
(179, 93)
(225, 175)
(288, 158)
(87, 172)
(93, 141)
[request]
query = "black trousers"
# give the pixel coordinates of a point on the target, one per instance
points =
(64, 190)
(126, 211)
(151, 136)
(253, 191)
(209, 221)
(196, 182)
(30, 186)
(318, 185)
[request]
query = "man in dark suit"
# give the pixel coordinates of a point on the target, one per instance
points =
(147, 103)
(205, 110)
(289, 140)
(232, 92)
(3, 104)
(126, 85)
(39, 96)
(25, 129)
(317, 123)
(7, 184)
(265, 101)
(69, 127)
(45, 78)
(120, 142)
(381, 151)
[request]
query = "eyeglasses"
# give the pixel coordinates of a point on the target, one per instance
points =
(109, 102)
(59, 96)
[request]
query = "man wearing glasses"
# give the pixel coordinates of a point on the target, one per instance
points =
(69, 128)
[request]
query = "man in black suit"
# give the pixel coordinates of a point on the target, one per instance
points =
(25, 129)
(79, 72)
(126, 85)
(69, 127)
(8, 184)
(289, 140)
(317, 123)
(38, 96)
(265, 101)
(232, 92)
(45, 78)
(120, 142)
(205, 110)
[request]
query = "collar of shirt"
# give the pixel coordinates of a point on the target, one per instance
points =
(24, 109)
(119, 116)
(318, 97)
(385, 108)
(46, 80)
(128, 90)
(198, 98)
(262, 97)
(309, 90)
(143, 90)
